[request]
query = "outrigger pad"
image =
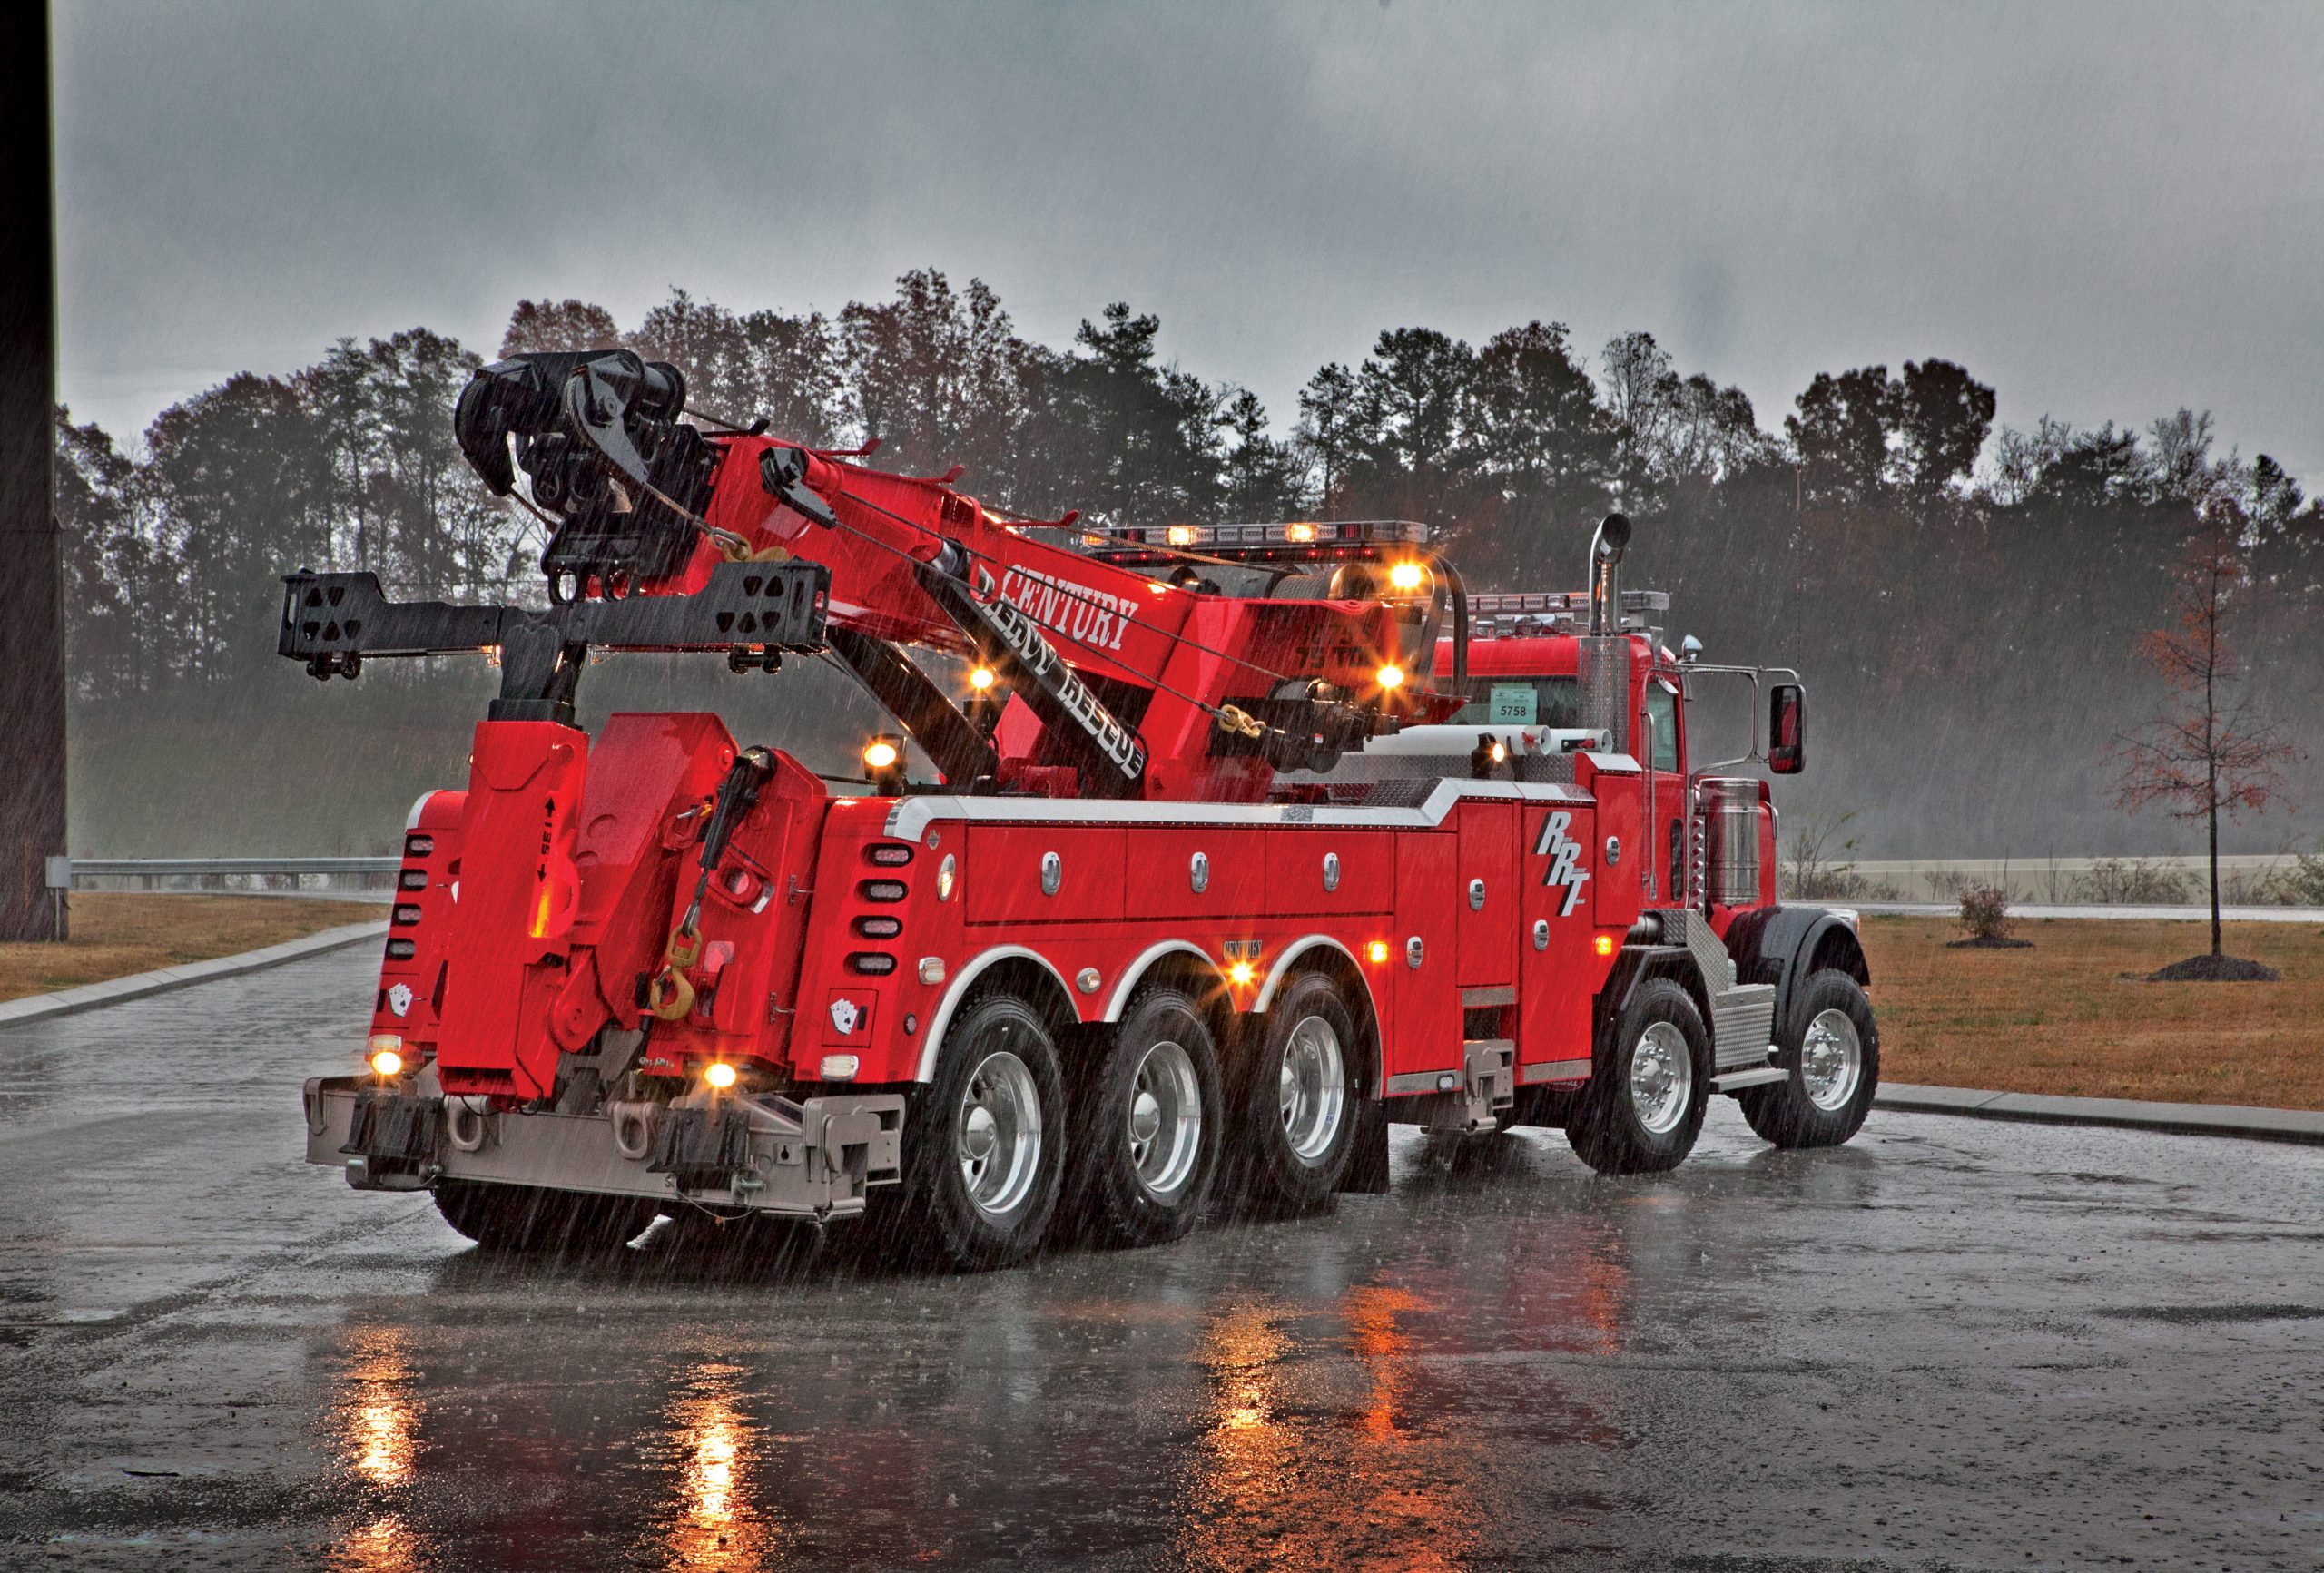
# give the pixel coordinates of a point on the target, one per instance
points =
(394, 1129)
(700, 1149)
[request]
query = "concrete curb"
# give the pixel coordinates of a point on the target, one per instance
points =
(137, 985)
(2127, 1113)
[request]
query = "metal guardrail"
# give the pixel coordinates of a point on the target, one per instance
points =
(257, 876)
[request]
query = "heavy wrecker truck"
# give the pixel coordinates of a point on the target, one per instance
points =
(1245, 842)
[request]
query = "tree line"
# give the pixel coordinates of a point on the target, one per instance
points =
(1954, 588)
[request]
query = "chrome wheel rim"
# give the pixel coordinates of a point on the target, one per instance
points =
(1662, 1077)
(1165, 1120)
(1313, 1089)
(1831, 1060)
(999, 1134)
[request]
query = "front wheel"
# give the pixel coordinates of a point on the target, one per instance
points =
(1648, 1088)
(1831, 1055)
(987, 1137)
(1300, 1096)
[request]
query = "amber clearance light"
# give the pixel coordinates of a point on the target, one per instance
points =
(719, 1075)
(1390, 676)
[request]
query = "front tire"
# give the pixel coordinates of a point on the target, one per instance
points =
(1300, 1096)
(1145, 1127)
(1648, 1088)
(987, 1137)
(532, 1218)
(1833, 1056)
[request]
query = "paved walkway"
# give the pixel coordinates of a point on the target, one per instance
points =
(1949, 1345)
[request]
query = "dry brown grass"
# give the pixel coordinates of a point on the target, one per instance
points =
(2061, 1019)
(117, 933)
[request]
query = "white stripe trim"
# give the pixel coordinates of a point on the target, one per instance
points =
(942, 1017)
(909, 820)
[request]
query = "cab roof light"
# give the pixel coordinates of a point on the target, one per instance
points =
(1509, 603)
(1293, 540)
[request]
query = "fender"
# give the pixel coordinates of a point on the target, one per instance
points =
(1638, 964)
(1785, 945)
(1134, 973)
(941, 1017)
(1293, 952)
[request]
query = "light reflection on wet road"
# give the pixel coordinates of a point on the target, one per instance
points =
(1953, 1344)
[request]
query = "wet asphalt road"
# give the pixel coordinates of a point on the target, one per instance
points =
(1953, 1344)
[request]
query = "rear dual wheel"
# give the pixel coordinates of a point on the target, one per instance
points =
(1147, 1123)
(1301, 1097)
(986, 1148)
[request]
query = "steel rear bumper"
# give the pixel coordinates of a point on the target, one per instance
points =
(815, 1159)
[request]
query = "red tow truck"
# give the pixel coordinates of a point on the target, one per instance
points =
(1237, 844)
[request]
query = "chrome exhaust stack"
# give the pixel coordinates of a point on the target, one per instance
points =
(1604, 659)
(1606, 548)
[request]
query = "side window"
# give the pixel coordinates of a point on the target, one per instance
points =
(1662, 712)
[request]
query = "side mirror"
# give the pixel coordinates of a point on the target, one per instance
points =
(1787, 728)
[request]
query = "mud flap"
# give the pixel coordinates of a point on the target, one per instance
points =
(1367, 1158)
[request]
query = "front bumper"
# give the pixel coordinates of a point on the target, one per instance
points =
(816, 1159)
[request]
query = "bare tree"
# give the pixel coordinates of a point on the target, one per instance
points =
(2206, 752)
(545, 324)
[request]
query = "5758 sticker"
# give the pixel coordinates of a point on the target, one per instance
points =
(1564, 854)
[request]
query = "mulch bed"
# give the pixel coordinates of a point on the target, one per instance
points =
(2216, 969)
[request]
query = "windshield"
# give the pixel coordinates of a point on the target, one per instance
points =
(1542, 702)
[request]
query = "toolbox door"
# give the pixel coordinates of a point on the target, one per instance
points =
(1485, 916)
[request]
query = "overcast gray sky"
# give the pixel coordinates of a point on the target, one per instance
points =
(2106, 211)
